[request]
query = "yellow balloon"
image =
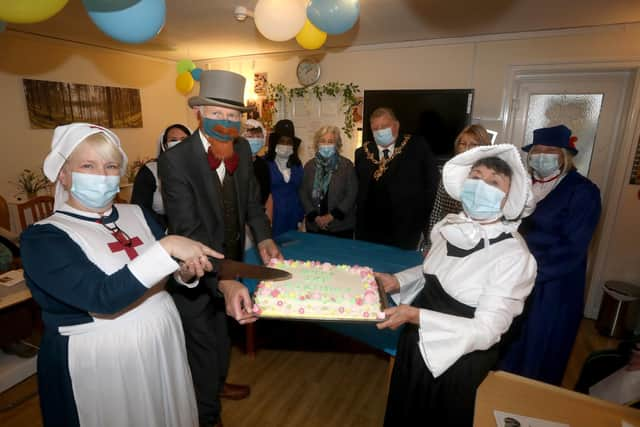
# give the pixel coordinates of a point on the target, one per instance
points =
(310, 37)
(184, 82)
(29, 11)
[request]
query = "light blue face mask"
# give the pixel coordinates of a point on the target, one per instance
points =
(256, 144)
(544, 164)
(480, 200)
(94, 191)
(327, 151)
(383, 137)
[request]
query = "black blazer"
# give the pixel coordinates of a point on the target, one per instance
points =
(193, 203)
(404, 194)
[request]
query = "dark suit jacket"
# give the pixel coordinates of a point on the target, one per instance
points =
(193, 203)
(395, 209)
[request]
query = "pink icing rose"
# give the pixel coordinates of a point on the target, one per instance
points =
(365, 314)
(341, 309)
(370, 297)
(316, 295)
(301, 311)
(359, 301)
(275, 293)
(280, 303)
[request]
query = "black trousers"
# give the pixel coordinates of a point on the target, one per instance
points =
(204, 321)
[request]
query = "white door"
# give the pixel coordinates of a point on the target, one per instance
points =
(308, 115)
(593, 105)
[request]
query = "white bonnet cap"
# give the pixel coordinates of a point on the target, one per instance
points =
(253, 124)
(65, 139)
(519, 202)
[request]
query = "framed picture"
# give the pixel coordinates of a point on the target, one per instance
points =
(52, 104)
(260, 83)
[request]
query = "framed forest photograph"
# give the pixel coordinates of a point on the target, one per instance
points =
(51, 104)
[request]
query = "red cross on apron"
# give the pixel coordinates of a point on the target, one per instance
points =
(124, 243)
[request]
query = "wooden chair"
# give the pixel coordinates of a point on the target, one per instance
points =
(40, 207)
(5, 221)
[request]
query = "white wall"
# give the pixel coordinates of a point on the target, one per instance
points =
(43, 59)
(485, 64)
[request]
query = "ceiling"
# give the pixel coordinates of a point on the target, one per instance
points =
(206, 29)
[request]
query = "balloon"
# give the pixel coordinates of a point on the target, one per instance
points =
(185, 65)
(128, 21)
(3, 26)
(310, 37)
(184, 82)
(279, 20)
(29, 11)
(195, 73)
(333, 16)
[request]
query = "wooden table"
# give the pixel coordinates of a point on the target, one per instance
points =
(514, 394)
(12, 295)
(14, 369)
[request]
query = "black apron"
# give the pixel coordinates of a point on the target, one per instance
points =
(414, 393)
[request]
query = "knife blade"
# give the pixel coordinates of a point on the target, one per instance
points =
(230, 269)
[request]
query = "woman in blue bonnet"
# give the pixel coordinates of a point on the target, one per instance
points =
(558, 235)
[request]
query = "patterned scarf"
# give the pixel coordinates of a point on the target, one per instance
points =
(324, 171)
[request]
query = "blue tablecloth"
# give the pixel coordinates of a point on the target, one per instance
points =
(309, 246)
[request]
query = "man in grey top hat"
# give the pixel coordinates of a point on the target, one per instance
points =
(210, 193)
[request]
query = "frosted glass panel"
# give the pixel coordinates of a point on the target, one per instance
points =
(580, 113)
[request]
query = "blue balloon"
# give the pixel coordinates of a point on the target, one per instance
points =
(333, 16)
(128, 21)
(195, 73)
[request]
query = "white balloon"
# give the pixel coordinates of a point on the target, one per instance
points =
(280, 20)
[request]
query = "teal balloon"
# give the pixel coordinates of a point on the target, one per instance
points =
(196, 73)
(333, 16)
(128, 21)
(3, 26)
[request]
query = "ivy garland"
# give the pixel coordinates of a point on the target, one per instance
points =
(348, 91)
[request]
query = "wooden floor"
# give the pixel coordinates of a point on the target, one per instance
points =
(301, 385)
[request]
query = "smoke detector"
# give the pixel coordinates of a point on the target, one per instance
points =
(241, 13)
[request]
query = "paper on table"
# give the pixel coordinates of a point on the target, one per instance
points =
(505, 419)
(11, 278)
(622, 387)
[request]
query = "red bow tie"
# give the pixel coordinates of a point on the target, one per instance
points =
(230, 163)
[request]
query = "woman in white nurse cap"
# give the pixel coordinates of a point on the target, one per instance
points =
(113, 350)
(463, 298)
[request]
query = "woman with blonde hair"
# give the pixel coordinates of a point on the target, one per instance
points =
(113, 351)
(329, 187)
(443, 205)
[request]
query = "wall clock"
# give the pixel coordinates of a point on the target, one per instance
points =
(308, 72)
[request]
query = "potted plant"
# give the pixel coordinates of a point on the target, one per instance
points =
(30, 182)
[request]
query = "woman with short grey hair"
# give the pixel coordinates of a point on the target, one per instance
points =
(329, 187)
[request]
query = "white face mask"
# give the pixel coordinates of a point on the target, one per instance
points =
(284, 151)
(171, 144)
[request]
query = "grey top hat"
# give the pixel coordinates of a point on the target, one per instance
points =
(220, 88)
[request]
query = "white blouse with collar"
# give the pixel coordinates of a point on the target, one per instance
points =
(494, 280)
